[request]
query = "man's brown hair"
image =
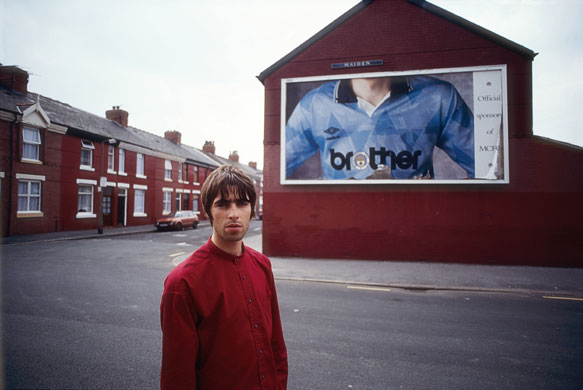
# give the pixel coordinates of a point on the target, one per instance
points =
(224, 180)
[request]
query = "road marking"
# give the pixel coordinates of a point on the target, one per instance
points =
(183, 244)
(256, 229)
(179, 235)
(177, 254)
(369, 288)
(564, 298)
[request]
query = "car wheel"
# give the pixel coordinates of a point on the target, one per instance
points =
(195, 225)
(179, 226)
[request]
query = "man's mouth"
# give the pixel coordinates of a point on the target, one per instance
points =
(233, 226)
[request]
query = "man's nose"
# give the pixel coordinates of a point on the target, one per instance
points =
(233, 211)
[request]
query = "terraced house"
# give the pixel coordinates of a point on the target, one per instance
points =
(59, 163)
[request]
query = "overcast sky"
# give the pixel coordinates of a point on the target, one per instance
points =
(191, 65)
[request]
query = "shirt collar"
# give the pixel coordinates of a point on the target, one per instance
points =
(221, 253)
(343, 92)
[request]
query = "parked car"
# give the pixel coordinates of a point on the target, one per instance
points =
(177, 220)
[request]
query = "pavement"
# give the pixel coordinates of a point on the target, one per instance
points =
(560, 283)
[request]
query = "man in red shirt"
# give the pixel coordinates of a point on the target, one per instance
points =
(219, 312)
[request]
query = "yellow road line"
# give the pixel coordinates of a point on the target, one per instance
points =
(564, 298)
(177, 254)
(369, 288)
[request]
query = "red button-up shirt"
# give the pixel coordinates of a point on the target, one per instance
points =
(220, 323)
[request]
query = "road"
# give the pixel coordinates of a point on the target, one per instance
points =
(84, 314)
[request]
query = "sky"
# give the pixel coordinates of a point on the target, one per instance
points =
(191, 65)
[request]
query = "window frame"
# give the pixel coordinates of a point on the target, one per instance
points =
(111, 159)
(137, 211)
(88, 147)
(91, 194)
(121, 165)
(166, 202)
(29, 196)
(36, 144)
(141, 165)
(167, 170)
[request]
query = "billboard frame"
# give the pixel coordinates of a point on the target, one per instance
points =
(329, 77)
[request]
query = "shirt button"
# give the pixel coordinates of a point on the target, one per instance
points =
(260, 351)
(250, 300)
(243, 277)
(262, 377)
(256, 325)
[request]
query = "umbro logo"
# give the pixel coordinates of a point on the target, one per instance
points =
(332, 131)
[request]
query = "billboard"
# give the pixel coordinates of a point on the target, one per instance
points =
(430, 126)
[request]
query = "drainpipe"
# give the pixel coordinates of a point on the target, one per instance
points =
(10, 178)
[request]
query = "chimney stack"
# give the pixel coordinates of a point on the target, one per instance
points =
(120, 116)
(253, 164)
(173, 136)
(234, 156)
(209, 147)
(14, 78)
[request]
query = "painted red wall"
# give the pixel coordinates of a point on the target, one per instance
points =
(533, 220)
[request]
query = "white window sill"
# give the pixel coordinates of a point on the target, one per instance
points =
(122, 174)
(29, 214)
(85, 215)
(111, 172)
(140, 176)
(140, 215)
(195, 184)
(186, 182)
(165, 212)
(30, 161)
(168, 180)
(86, 168)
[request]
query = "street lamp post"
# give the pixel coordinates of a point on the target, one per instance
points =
(102, 179)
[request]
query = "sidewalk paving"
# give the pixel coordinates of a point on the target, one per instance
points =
(566, 282)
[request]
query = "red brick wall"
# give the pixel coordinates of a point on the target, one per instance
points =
(533, 220)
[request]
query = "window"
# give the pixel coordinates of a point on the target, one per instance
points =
(122, 161)
(139, 202)
(30, 144)
(195, 173)
(180, 178)
(167, 170)
(167, 202)
(111, 159)
(85, 199)
(87, 154)
(186, 173)
(28, 196)
(140, 164)
(186, 201)
(178, 198)
(195, 202)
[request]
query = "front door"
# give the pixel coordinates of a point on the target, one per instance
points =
(107, 218)
(121, 207)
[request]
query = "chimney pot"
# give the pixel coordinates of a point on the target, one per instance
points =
(14, 78)
(173, 136)
(120, 116)
(209, 147)
(234, 156)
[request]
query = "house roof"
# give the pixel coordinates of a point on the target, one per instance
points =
(85, 124)
(487, 34)
(254, 173)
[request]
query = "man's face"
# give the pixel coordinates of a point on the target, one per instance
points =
(231, 218)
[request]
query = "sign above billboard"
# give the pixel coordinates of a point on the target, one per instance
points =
(431, 126)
